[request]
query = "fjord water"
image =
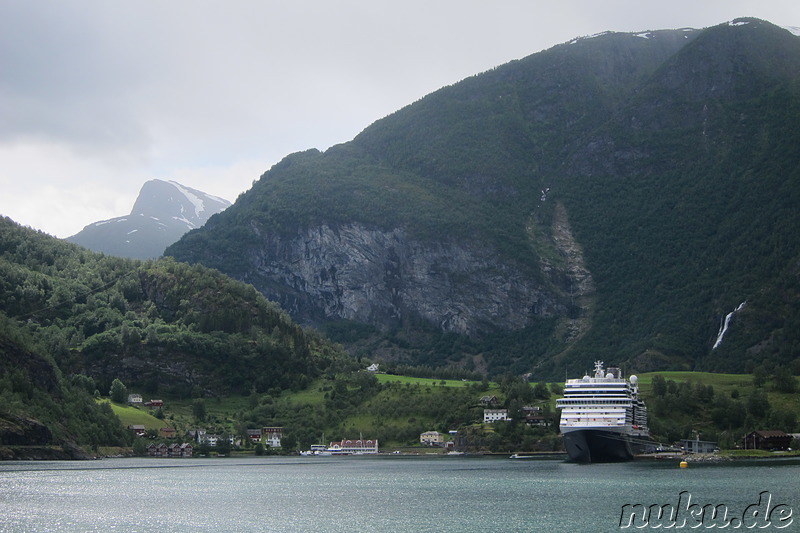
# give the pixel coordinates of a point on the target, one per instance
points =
(376, 494)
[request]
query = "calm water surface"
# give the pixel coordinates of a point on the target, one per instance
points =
(374, 494)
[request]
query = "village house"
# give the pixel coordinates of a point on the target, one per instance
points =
(488, 401)
(767, 440)
(155, 403)
(158, 450)
(195, 434)
(208, 439)
(212, 440)
(534, 416)
(357, 446)
(137, 429)
(135, 399)
(431, 438)
(490, 416)
(272, 436)
(167, 433)
(269, 436)
(373, 367)
(698, 446)
(173, 450)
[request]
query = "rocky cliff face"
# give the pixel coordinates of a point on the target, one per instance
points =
(379, 277)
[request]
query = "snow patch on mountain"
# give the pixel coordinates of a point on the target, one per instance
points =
(199, 205)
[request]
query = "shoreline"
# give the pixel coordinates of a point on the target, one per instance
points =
(74, 453)
(723, 456)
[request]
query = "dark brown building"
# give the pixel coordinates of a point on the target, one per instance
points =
(766, 440)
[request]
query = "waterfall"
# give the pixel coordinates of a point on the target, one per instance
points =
(723, 327)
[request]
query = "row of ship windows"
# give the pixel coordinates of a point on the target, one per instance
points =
(598, 401)
(594, 416)
(589, 392)
(620, 385)
(572, 414)
(596, 419)
(588, 385)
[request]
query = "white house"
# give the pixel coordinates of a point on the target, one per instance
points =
(135, 399)
(208, 439)
(356, 446)
(491, 416)
(272, 436)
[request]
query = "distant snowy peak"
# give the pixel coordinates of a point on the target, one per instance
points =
(642, 34)
(169, 200)
(162, 213)
(794, 30)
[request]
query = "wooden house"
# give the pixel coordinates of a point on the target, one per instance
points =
(766, 440)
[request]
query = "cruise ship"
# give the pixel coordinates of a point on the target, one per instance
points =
(602, 417)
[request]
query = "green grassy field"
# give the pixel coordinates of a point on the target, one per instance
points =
(391, 378)
(726, 384)
(133, 416)
(721, 381)
(313, 395)
(221, 413)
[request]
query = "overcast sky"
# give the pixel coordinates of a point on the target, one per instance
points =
(98, 97)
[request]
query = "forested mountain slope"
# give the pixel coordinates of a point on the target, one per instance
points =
(610, 198)
(71, 321)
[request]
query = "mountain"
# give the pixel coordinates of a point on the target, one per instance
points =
(72, 321)
(614, 197)
(164, 210)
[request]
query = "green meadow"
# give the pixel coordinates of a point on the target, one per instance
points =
(135, 416)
